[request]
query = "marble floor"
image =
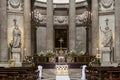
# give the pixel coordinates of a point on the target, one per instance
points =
(49, 74)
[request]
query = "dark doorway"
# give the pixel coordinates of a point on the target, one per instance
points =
(61, 33)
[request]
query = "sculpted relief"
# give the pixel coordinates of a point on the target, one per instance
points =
(62, 20)
(15, 5)
(82, 18)
(106, 5)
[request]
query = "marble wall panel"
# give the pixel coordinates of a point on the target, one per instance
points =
(41, 39)
(80, 39)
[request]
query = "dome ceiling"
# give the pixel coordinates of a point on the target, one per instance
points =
(60, 1)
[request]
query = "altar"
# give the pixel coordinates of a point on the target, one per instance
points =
(50, 59)
(62, 72)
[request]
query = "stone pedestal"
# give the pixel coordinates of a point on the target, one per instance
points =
(105, 60)
(16, 54)
(106, 54)
(106, 57)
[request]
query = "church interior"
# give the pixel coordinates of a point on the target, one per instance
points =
(59, 39)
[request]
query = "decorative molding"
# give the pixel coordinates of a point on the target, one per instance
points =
(83, 18)
(15, 5)
(40, 19)
(61, 20)
(106, 5)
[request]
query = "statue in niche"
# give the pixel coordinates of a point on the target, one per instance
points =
(16, 43)
(107, 40)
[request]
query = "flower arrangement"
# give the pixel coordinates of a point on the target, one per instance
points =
(94, 61)
(41, 53)
(50, 53)
(71, 53)
(80, 53)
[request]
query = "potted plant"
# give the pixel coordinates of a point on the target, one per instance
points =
(51, 56)
(81, 56)
(71, 55)
(41, 56)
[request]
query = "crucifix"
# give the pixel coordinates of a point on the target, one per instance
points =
(61, 41)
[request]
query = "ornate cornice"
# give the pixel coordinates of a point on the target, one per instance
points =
(61, 20)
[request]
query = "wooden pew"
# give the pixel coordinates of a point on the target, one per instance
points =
(103, 73)
(17, 73)
(3, 76)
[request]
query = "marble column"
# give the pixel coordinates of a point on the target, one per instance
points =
(72, 26)
(95, 27)
(27, 27)
(117, 31)
(50, 40)
(3, 32)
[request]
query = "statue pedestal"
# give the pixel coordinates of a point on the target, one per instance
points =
(16, 54)
(106, 57)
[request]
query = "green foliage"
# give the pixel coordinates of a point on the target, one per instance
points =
(50, 53)
(81, 53)
(41, 53)
(71, 53)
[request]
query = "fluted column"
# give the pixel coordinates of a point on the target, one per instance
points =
(95, 27)
(27, 27)
(117, 31)
(72, 28)
(3, 32)
(49, 29)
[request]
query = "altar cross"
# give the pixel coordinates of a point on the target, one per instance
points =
(61, 41)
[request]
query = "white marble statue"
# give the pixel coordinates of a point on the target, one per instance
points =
(83, 72)
(16, 36)
(107, 39)
(39, 72)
